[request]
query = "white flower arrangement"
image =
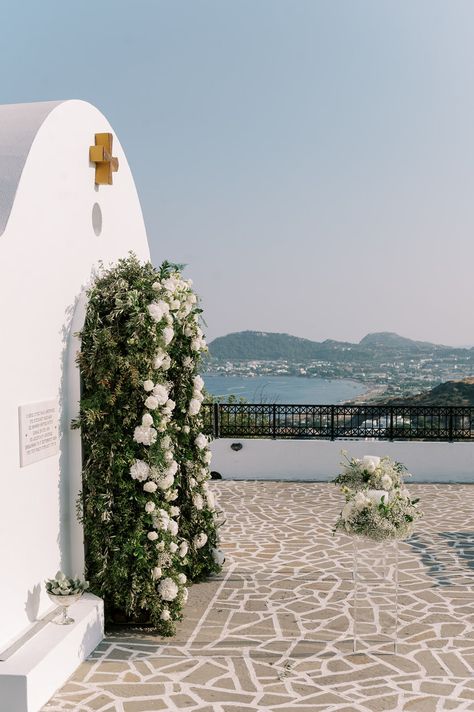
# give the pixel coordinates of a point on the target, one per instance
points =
(378, 505)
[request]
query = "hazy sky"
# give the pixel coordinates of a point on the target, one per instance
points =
(312, 161)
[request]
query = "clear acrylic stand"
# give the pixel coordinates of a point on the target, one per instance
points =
(375, 596)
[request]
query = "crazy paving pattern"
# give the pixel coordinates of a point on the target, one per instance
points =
(274, 632)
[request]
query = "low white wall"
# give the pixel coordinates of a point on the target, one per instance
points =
(320, 459)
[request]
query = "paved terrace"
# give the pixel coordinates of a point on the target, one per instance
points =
(273, 632)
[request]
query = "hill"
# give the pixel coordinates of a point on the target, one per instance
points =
(261, 345)
(459, 393)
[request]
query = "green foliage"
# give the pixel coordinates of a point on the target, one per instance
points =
(141, 544)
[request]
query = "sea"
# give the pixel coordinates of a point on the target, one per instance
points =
(284, 389)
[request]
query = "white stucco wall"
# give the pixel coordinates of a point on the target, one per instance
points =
(47, 253)
(320, 459)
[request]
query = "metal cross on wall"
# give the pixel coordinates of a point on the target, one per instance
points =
(101, 155)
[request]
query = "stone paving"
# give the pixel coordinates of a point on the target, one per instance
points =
(274, 632)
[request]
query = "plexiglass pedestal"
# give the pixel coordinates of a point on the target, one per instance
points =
(375, 596)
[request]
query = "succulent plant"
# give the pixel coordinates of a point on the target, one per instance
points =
(62, 585)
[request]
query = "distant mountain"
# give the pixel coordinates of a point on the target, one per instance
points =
(269, 346)
(449, 393)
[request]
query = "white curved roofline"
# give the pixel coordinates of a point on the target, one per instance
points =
(19, 124)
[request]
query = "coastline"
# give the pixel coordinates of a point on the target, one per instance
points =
(374, 391)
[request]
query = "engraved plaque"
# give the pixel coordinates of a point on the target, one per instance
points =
(39, 431)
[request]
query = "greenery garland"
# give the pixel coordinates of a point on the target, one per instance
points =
(150, 522)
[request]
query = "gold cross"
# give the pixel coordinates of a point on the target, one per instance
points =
(101, 155)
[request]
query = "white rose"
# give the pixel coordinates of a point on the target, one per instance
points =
(166, 482)
(166, 363)
(194, 406)
(168, 456)
(196, 345)
(151, 403)
(370, 463)
(165, 615)
(148, 385)
(198, 501)
(167, 589)
(175, 304)
(170, 284)
(170, 405)
(185, 594)
(361, 501)
(198, 383)
(153, 536)
(156, 285)
(183, 549)
(150, 487)
(211, 503)
(156, 573)
(173, 547)
(218, 556)
(147, 420)
(171, 495)
(182, 578)
(376, 496)
(174, 511)
(207, 457)
(186, 429)
(192, 482)
(200, 540)
(201, 441)
(139, 470)
(149, 507)
(168, 335)
(173, 527)
(159, 357)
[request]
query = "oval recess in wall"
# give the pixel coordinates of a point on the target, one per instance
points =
(97, 218)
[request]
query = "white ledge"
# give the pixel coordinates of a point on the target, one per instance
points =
(34, 671)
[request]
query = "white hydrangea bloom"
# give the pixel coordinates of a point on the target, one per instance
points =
(194, 406)
(165, 615)
(139, 470)
(155, 311)
(167, 589)
(201, 441)
(145, 436)
(168, 335)
(160, 392)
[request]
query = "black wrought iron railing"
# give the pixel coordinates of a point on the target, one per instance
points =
(331, 422)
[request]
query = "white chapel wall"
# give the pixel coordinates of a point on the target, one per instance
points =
(47, 253)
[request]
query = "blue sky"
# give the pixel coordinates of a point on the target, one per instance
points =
(312, 161)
